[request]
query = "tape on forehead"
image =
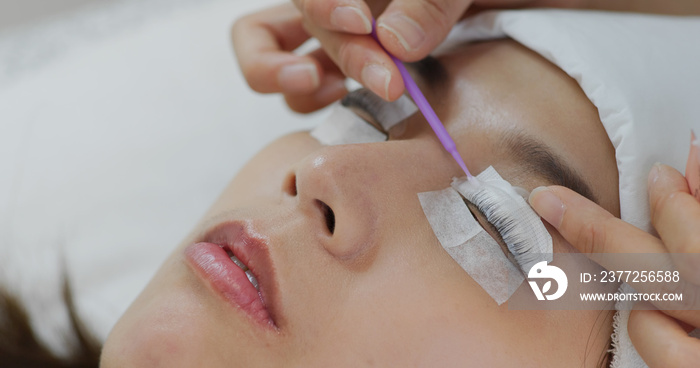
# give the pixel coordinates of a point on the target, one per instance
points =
(469, 244)
(395, 112)
(343, 126)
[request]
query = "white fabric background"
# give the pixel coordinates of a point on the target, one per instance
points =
(119, 126)
(640, 71)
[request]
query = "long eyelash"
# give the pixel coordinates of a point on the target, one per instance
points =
(385, 114)
(474, 208)
(365, 100)
(520, 228)
(498, 213)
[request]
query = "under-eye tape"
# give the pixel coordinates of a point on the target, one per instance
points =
(343, 126)
(504, 207)
(469, 244)
(446, 213)
(392, 113)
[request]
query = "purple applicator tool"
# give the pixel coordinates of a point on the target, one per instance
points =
(424, 107)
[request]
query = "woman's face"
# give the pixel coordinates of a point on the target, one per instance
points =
(349, 268)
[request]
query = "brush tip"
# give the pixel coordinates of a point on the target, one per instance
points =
(461, 163)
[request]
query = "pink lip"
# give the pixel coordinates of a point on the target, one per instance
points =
(210, 261)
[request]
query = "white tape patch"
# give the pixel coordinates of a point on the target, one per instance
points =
(446, 211)
(343, 126)
(469, 244)
(395, 112)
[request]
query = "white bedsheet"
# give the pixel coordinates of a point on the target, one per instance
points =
(118, 128)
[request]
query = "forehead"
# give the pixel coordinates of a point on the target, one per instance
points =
(492, 89)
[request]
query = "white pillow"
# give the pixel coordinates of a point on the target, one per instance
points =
(113, 145)
(640, 71)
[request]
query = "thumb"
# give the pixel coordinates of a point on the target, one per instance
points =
(411, 29)
(587, 226)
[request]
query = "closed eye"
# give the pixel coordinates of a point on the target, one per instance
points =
(366, 105)
(487, 226)
(382, 115)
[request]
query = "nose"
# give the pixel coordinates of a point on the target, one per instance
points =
(352, 191)
(334, 187)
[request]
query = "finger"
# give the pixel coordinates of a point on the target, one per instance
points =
(594, 231)
(411, 29)
(360, 57)
(661, 341)
(675, 214)
(587, 226)
(263, 42)
(351, 16)
(332, 87)
(327, 64)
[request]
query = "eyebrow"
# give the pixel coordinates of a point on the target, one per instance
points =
(431, 71)
(533, 154)
(537, 157)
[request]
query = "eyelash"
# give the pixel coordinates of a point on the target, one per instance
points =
(492, 227)
(367, 101)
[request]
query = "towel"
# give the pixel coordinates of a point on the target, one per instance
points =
(640, 71)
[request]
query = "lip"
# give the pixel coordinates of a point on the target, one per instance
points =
(208, 258)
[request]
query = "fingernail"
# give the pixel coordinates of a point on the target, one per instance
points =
(376, 78)
(301, 77)
(350, 19)
(547, 205)
(654, 173)
(407, 31)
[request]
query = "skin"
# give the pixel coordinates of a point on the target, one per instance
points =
(266, 50)
(381, 291)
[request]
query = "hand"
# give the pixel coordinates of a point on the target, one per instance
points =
(408, 29)
(660, 336)
(263, 43)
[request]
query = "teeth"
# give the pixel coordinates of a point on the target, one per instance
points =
(252, 279)
(243, 267)
(239, 263)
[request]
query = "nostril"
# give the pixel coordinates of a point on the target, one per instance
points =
(290, 185)
(329, 216)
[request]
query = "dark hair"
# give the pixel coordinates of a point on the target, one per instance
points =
(605, 358)
(20, 346)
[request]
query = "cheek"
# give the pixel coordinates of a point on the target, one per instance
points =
(163, 332)
(417, 307)
(431, 316)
